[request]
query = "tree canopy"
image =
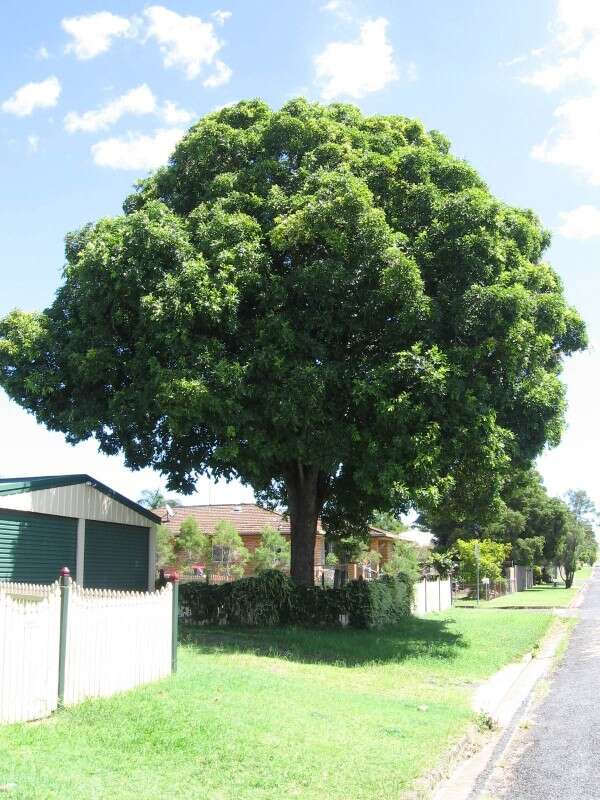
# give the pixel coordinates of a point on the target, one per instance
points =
(330, 306)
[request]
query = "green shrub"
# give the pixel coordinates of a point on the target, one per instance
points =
(273, 598)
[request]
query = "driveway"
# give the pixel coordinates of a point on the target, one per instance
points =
(557, 757)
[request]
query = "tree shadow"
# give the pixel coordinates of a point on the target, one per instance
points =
(413, 639)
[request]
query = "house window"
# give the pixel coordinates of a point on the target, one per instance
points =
(221, 554)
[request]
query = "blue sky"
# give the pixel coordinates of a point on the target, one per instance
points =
(93, 95)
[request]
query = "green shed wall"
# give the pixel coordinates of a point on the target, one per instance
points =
(116, 556)
(35, 547)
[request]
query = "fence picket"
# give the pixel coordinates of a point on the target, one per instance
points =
(115, 641)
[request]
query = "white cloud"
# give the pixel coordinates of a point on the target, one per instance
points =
(221, 17)
(25, 100)
(186, 42)
(33, 143)
(219, 77)
(42, 54)
(572, 465)
(574, 141)
(341, 9)
(137, 151)
(30, 449)
(93, 34)
(581, 223)
(572, 59)
(140, 100)
(354, 69)
(174, 115)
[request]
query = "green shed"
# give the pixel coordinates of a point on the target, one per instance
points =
(48, 522)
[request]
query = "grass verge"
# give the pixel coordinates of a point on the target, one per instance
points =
(538, 596)
(259, 715)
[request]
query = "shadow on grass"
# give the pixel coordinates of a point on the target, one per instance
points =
(413, 639)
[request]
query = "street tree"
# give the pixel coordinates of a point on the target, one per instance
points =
(329, 306)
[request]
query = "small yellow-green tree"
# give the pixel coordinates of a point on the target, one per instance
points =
(228, 554)
(273, 552)
(164, 547)
(492, 556)
(190, 544)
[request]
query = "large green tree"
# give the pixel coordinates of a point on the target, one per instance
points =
(330, 306)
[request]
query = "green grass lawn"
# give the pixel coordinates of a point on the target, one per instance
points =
(255, 715)
(538, 596)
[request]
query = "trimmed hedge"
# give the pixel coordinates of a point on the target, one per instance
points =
(272, 598)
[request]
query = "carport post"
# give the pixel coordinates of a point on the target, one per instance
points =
(65, 591)
(173, 577)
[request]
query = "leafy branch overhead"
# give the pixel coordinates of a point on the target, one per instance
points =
(330, 306)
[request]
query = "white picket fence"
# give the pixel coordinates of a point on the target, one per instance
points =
(432, 595)
(115, 641)
(29, 636)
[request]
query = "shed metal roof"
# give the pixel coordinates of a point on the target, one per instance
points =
(39, 482)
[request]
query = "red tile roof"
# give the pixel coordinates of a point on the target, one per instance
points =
(246, 517)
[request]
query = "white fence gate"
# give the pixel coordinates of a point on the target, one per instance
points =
(433, 595)
(114, 641)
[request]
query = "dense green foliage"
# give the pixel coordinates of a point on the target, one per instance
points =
(404, 561)
(330, 306)
(272, 553)
(272, 598)
(492, 556)
(541, 529)
(387, 522)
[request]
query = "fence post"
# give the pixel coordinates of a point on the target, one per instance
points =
(173, 577)
(65, 591)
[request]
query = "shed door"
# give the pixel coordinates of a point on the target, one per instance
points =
(116, 556)
(35, 547)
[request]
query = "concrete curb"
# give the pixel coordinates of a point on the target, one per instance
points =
(503, 698)
(500, 699)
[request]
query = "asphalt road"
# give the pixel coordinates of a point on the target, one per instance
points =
(558, 756)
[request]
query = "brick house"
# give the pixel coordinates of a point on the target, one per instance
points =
(249, 520)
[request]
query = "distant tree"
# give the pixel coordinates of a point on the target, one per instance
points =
(525, 511)
(330, 306)
(154, 498)
(272, 553)
(388, 522)
(443, 563)
(576, 546)
(582, 505)
(528, 552)
(403, 561)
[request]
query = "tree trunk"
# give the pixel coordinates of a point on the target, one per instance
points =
(305, 493)
(569, 579)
